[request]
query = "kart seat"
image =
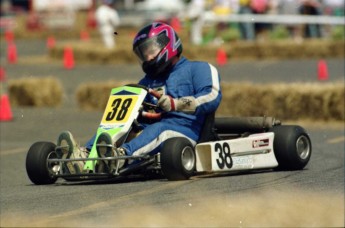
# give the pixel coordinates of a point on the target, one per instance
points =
(208, 132)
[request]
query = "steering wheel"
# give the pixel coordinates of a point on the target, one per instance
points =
(151, 115)
(146, 105)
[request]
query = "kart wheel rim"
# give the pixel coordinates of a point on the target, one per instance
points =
(303, 147)
(53, 167)
(188, 158)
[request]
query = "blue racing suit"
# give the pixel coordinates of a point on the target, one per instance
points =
(186, 78)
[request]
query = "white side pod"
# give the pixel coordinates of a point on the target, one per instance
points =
(253, 152)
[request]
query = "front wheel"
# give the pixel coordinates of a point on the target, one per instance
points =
(37, 166)
(178, 159)
(292, 147)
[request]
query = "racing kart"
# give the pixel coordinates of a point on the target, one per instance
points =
(226, 144)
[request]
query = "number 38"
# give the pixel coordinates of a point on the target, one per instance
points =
(224, 158)
(117, 111)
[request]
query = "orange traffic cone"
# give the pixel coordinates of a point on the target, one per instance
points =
(91, 19)
(11, 53)
(2, 74)
(84, 35)
(176, 24)
(5, 109)
(50, 42)
(9, 36)
(68, 58)
(322, 70)
(221, 57)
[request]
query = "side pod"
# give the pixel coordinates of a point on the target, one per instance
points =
(253, 152)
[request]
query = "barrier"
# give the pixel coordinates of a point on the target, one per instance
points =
(274, 19)
(313, 101)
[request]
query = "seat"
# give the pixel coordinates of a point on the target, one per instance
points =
(208, 132)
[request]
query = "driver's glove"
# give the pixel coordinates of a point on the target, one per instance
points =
(183, 104)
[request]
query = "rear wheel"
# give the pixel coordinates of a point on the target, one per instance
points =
(292, 147)
(178, 159)
(37, 166)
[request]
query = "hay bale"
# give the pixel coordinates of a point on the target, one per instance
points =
(284, 101)
(94, 96)
(35, 91)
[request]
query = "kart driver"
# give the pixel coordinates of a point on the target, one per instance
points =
(190, 90)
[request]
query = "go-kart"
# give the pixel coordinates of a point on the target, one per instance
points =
(226, 144)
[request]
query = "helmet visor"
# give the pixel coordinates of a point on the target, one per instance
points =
(151, 47)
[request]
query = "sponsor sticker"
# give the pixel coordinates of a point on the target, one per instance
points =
(260, 143)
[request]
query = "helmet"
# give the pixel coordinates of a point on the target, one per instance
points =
(156, 45)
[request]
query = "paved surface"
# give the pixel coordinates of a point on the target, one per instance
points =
(311, 197)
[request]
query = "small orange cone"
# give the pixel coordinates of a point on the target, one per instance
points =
(68, 58)
(84, 35)
(50, 42)
(322, 70)
(9, 36)
(176, 24)
(5, 109)
(221, 57)
(91, 19)
(2, 74)
(11, 53)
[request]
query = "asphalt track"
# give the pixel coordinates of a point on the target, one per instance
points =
(310, 197)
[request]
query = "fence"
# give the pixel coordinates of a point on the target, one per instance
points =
(275, 19)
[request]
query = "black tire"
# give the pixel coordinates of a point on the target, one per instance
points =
(292, 147)
(178, 159)
(36, 163)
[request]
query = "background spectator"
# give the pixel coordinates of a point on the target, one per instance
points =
(312, 8)
(107, 20)
(246, 28)
(333, 7)
(195, 13)
(221, 8)
(291, 7)
(260, 7)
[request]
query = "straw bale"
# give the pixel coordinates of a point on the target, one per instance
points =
(35, 91)
(284, 101)
(94, 96)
